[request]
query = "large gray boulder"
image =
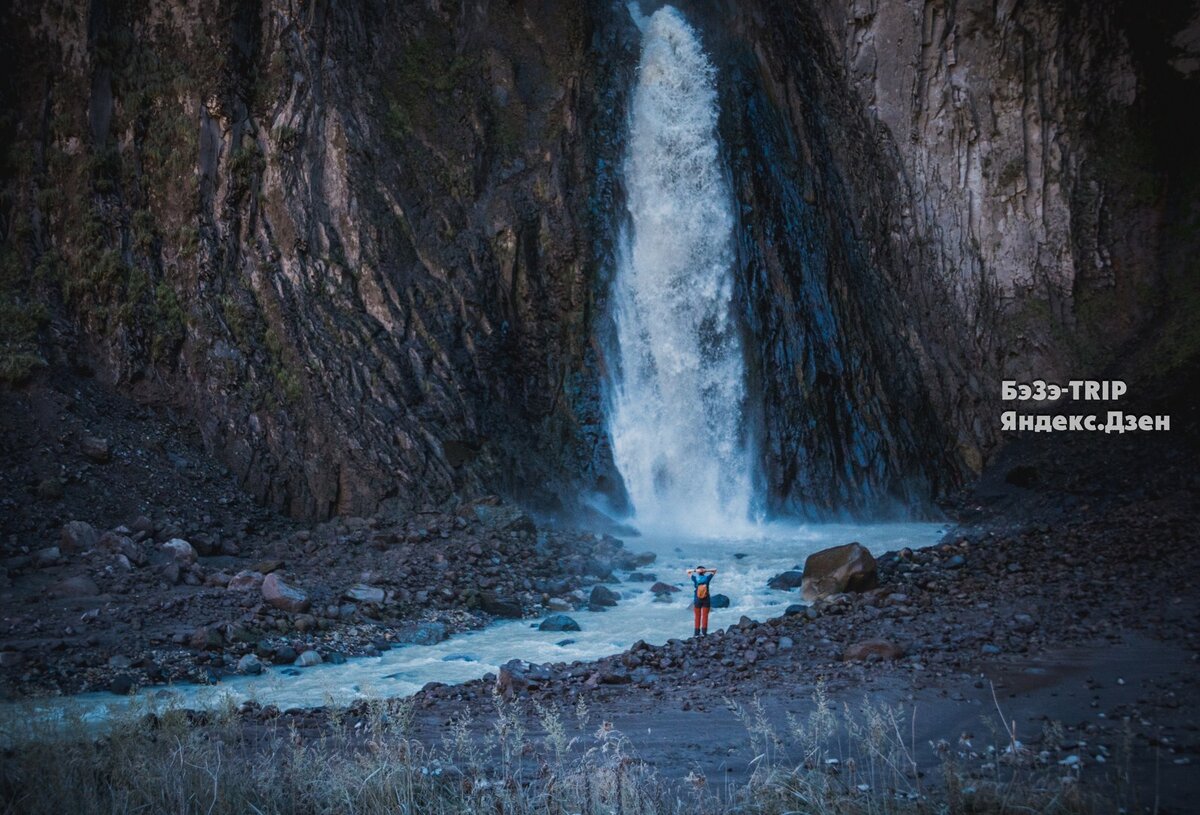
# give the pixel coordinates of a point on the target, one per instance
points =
(847, 568)
(559, 622)
(282, 596)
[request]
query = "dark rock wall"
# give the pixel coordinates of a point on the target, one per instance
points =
(367, 244)
(352, 237)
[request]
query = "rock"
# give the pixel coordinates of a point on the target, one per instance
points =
(719, 601)
(121, 685)
(422, 634)
(786, 581)
(120, 662)
(206, 639)
(170, 572)
(79, 586)
(250, 664)
(956, 562)
(848, 568)
(282, 596)
(47, 557)
(50, 489)
(603, 597)
(123, 545)
(493, 605)
(517, 675)
(362, 593)
(793, 609)
(78, 536)
(559, 622)
(182, 551)
(246, 580)
(874, 649)
(559, 604)
(142, 524)
(284, 655)
(504, 517)
(786, 643)
(95, 449)
(308, 659)
(664, 588)
(642, 577)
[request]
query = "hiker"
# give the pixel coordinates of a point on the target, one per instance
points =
(701, 600)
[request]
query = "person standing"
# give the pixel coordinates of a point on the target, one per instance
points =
(701, 598)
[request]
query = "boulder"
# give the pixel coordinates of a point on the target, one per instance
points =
(206, 639)
(246, 580)
(423, 634)
(603, 597)
(517, 675)
(509, 609)
(282, 596)
(786, 581)
(362, 593)
(121, 685)
(47, 557)
(182, 551)
(663, 588)
(308, 659)
(78, 536)
(847, 568)
(794, 608)
(875, 649)
(719, 601)
(250, 664)
(559, 622)
(95, 449)
(80, 586)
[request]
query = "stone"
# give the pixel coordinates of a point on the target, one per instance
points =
(47, 557)
(719, 601)
(182, 551)
(246, 580)
(308, 659)
(559, 622)
(663, 588)
(280, 595)
(121, 685)
(250, 664)
(786, 643)
(786, 581)
(603, 596)
(284, 655)
(847, 568)
(793, 609)
(206, 639)
(873, 649)
(50, 489)
(362, 593)
(78, 536)
(95, 449)
(497, 607)
(79, 586)
(642, 577)
(423, 634)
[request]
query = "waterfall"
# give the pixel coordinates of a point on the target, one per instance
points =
(677, 399)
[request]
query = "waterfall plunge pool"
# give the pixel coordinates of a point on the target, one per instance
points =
(744, 566)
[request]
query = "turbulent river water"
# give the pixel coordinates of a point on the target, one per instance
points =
(744, 566)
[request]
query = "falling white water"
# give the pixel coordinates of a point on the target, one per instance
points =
(677, 408)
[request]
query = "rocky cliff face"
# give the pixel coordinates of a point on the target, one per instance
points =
(351, 237)
(367, 244)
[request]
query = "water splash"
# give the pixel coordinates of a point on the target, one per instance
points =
(677, 409)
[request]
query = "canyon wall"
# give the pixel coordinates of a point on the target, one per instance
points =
(367, 245)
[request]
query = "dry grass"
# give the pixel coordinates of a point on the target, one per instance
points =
(831, 762)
